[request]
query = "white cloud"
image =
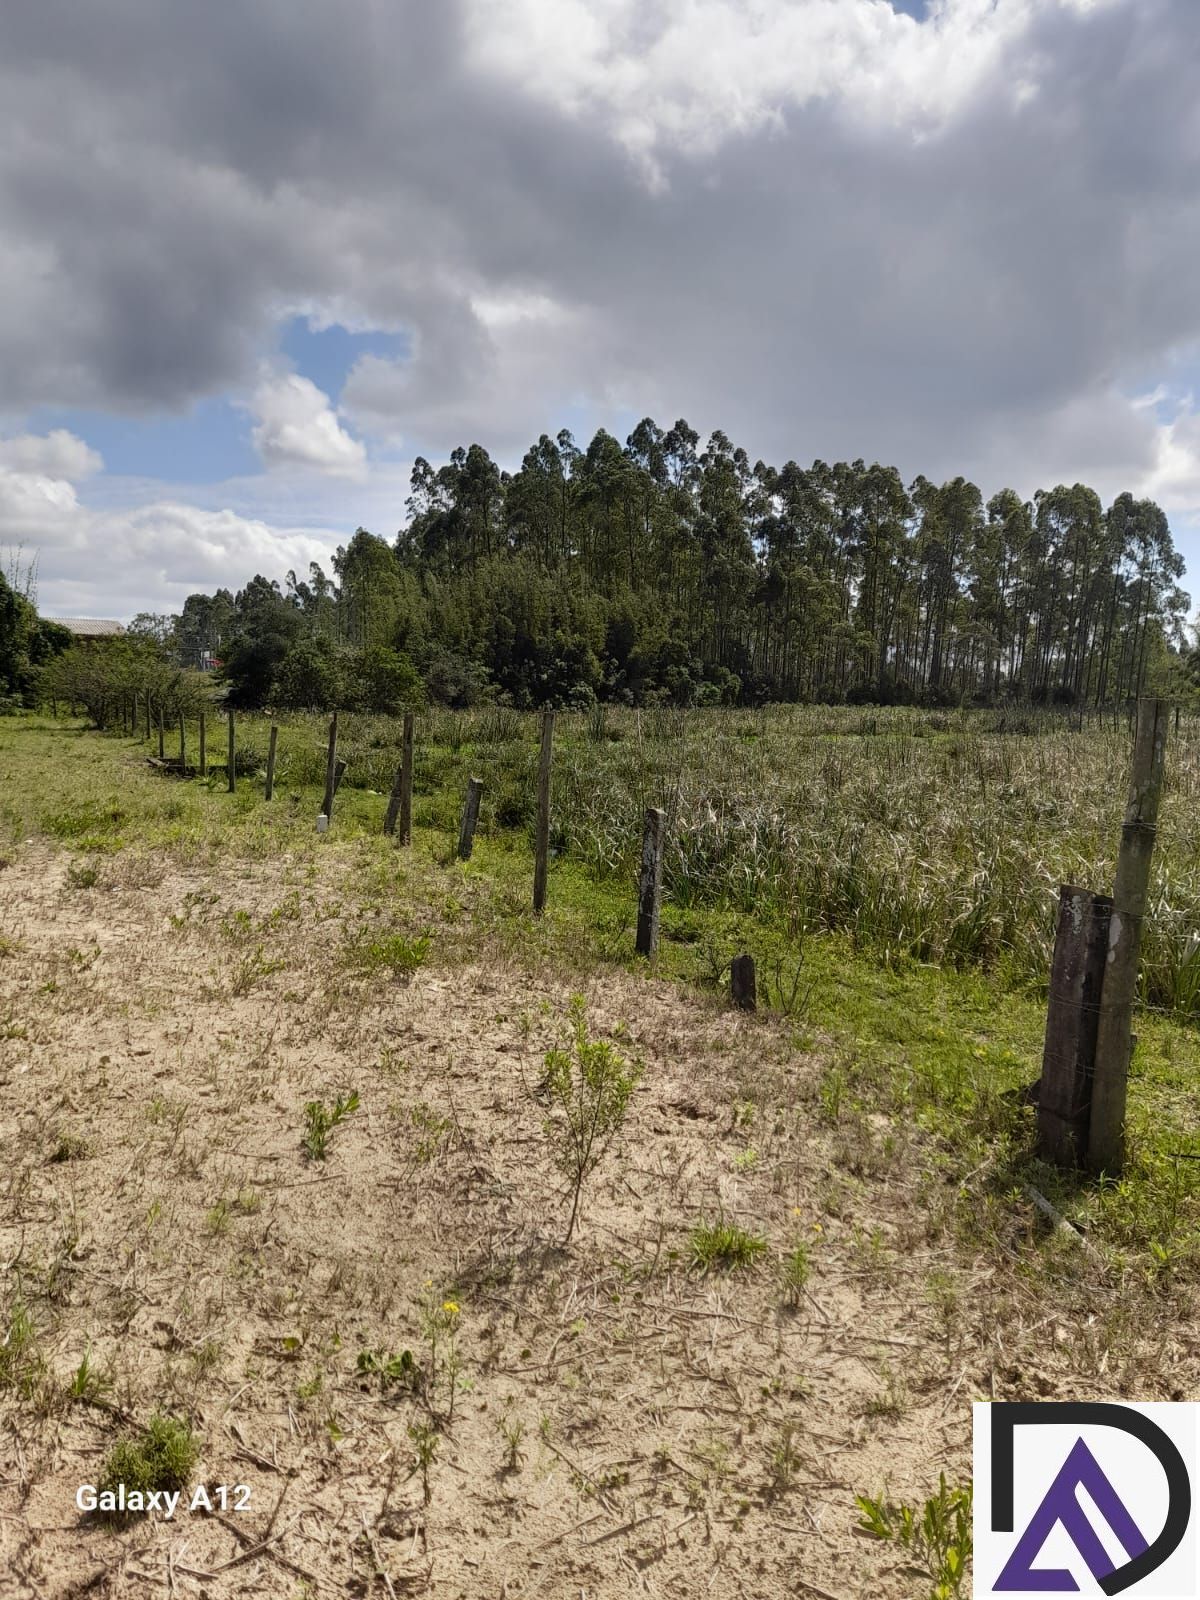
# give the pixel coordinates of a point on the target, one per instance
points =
(1174, 478)
(58, 454)
(689, 74)
(297, 426)
(118, 561)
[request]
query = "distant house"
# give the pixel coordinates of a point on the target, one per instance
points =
(85, 628)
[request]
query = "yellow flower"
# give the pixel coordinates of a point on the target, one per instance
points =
(797, 1211)
(450, 1307)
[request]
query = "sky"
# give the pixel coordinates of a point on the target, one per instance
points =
(257, 257)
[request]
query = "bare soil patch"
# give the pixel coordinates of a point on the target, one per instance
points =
(622, 1423)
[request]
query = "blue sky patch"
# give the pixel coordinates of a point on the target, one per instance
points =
(205, 444)
(326, 356)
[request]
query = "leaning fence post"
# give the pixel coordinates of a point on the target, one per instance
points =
(330, 770)
(231, 764)
(274, 739)
(541, 864)
(203, 763)
(1106, 1136)
(1072, 1016)
(650, 890)
(470, 816)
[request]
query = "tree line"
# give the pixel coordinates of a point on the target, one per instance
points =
(667, 570)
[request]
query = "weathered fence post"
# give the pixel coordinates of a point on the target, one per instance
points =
(231, 763)
(470, 816)
(1106, 1136)
(162, 753)
(743, 988)
(147, 716)
(330, 770)
(406, 780)
(1072, 1017)
(182, 746)
(203, 764)
(393, 805)
(274, 739)
(400, 799)
(541, 862)
(650, 890)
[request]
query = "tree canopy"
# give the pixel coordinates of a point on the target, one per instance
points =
(668, 569)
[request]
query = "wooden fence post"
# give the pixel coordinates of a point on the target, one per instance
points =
(330, 770)
(743, 989)
(231, 763)
(147, 716)
(271, 761)
(650, 891)
(400, 799)
(470, 816)
(1072, 1018)
(406, 780)
(203, 749)
(162, 753)
(541, 863)
(182, 746)
(393, 805)
(1106, 1135)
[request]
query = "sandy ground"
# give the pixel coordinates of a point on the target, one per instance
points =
(608, 1420)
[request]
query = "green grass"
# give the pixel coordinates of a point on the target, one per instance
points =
(725, 1245)
(159, 1456)
(395, 953)
(903, 924)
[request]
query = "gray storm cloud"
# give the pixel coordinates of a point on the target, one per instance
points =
(961, 245)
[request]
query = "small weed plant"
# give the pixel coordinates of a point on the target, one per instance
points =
(589, 1085)
(320, 1120)
(424, 1439)
(937, 1536)
(393, 1371)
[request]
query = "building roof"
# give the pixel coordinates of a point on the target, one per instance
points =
(89, 627)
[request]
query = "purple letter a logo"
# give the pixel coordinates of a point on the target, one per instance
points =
(1079, 1470)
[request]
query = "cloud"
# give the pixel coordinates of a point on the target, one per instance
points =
(58, 454)
(120, 560)
(297, 426)
(957, 245)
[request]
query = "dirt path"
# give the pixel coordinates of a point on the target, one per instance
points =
(622, 1424)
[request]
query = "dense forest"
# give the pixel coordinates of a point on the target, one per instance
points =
(668, 571)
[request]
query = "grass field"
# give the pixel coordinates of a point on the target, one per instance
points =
(810, 1246)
